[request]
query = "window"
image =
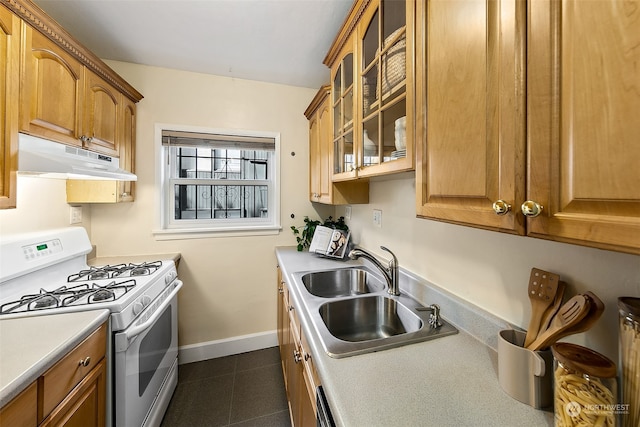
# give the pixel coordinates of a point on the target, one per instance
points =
(219, 181)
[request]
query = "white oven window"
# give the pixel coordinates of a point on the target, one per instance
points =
(155, 344)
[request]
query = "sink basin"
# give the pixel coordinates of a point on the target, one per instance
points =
(352, 312)
(341, 283)
(368, 318)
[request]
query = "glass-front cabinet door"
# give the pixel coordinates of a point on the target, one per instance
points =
(385, 81)
(344, 151)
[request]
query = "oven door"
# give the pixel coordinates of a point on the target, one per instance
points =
(146, 356)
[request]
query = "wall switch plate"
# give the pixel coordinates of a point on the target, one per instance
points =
(347, 212)
(377, 217)
(75, 214)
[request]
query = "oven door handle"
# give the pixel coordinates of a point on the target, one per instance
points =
(123, 339)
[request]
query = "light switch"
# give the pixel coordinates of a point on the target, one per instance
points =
(75, 214)
(377, 217)
(347, 212)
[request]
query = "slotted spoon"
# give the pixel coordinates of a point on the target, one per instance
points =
(572, 312)
(542, 290)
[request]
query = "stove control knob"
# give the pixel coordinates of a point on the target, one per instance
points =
(137, 307)
(146, 299)
(169, 277)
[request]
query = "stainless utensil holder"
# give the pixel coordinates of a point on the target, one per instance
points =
(523, 374)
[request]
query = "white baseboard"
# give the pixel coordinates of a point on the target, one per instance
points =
(226, 347)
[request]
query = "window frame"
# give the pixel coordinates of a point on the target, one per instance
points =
(169, 228)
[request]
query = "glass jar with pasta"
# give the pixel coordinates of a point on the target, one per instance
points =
(629, 339)
(585, 387)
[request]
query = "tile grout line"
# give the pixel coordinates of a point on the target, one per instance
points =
(233, 386)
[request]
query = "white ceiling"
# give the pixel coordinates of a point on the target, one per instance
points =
(278, 41)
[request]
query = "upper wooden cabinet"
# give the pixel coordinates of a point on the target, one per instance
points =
(343, 107)
(384, 75)
(372, 71)
(51, 92)
(54, 88)
(102, 114)
(64, 101)
(584, 122)
(9, 89)
(558, 130)
(470, 89)
(321, 187)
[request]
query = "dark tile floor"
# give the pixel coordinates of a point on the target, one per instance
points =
(244, 390)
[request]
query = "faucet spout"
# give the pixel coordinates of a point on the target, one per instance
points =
(390, 272)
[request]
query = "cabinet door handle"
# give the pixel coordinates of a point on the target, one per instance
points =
(501, 207)
(531, 209)
(280, 290)
(296, 356)
(307, 356)
(85, 362)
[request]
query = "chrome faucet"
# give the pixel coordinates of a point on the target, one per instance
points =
(390, 272)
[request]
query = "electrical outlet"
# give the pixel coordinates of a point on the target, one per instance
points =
(75, 214)
(377, 217)
(347, 212)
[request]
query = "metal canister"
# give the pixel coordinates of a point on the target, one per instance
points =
(629, 351)
(585, 387)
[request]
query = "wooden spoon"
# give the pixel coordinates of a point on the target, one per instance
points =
(572, 312)
(596, 309)
(542, 291)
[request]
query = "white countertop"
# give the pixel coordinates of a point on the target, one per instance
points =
(31, 345)
(450, 381)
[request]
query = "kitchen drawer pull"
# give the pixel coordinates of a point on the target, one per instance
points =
(307, 356)
(85, 362)
(296, 356)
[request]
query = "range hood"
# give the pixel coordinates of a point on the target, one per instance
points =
(48, 159)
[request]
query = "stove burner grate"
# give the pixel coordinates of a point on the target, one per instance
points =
(66, 296)
(114, 271)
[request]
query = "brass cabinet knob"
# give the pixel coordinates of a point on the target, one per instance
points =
(85, 362)
(501, 207)
(531, 209)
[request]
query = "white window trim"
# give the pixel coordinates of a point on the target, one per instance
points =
(195, 229)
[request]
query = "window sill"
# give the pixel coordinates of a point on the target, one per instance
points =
(205, 233)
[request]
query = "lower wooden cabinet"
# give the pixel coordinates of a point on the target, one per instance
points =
(299, 373)
(72, 393)
(22, 411)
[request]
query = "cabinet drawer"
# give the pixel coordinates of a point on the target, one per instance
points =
(22, 410)
(58, 381)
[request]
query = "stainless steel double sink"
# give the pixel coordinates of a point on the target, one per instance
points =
(352, 312)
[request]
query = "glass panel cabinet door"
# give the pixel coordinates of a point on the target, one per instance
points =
(343, 101)
(382, 73)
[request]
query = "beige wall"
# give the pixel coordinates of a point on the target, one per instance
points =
(491, 269)
(41, 206)
(229, 282)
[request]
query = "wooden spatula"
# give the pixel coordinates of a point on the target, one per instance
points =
(542, 291)
(553, 308)
(572, 312)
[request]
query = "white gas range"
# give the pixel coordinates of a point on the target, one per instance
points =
(47, 273)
